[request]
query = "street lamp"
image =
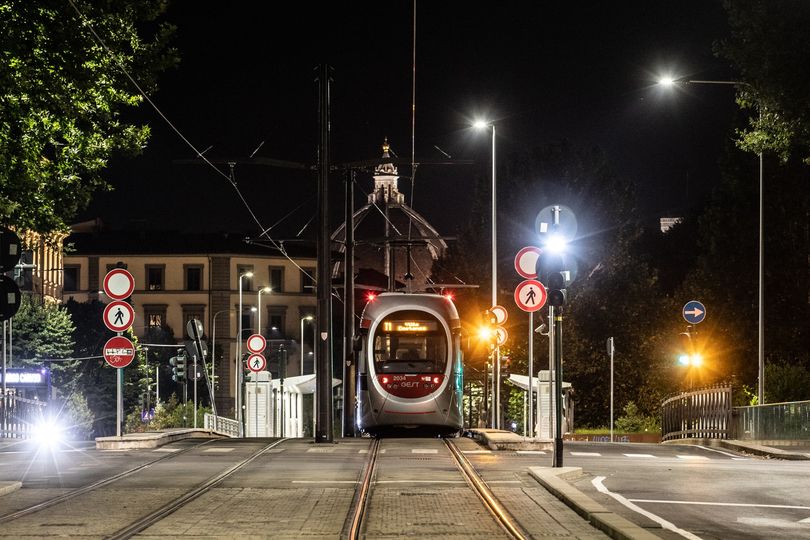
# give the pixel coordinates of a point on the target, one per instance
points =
(306, 318)
(259, 308)
(668, 82)
(239, 358)
(496, 377)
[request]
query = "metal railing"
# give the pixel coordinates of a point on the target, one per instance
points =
(773, 421)
(222, 425)
(19, 416)
(703, 414)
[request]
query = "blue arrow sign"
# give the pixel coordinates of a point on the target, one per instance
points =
(694, 312)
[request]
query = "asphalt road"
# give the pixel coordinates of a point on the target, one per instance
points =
(701, 493)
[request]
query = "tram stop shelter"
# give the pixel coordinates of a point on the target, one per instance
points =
(543, 403)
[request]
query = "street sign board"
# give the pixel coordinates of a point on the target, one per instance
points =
(501, 315)
(530, 295)
(256, 343)
(256, 363)
(118, 352)
(118, 316)
(526, 262)
(194, 327)
(694, 312)
(118, 284)
(501, 335)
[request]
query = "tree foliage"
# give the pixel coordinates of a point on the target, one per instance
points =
(44, 332)
(62, 99)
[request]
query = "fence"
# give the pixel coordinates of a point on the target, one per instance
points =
(775, 421)
(700, 414)
(19, 416)
(222, 425)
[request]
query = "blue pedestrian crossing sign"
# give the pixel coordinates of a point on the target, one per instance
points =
(694, 312)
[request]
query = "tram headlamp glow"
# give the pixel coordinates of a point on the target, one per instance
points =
(48, 433)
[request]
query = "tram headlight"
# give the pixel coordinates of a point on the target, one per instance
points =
(48, 433)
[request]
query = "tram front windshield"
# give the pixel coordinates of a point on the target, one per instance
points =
(410, 342)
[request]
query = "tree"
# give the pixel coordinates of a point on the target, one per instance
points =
(44, 332)
(62, 99)
(768, 46)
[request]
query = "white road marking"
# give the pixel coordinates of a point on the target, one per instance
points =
(709, 503)
(693, 458)
(597, 483)
(774, 522)
(275, 451)
(710, 449)
(477, 451)
(218, 450)
(166, 450)
(640, 455)
(362, 451)
(424, 451)
(320, 450)
(531, 452)
(586, 454)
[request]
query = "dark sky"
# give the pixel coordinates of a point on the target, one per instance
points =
(543, 70)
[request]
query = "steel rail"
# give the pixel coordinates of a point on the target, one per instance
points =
(90, 487)
(172, 506)
(504, 519)
(361, 495)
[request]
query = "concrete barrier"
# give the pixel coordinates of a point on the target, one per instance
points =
(153, 439)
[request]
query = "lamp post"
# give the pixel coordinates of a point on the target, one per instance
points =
(306, 318)
(259, 308)
(239, 358)
(496, 367)
(669, 81)
(214, 341)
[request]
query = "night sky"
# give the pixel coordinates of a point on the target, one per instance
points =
(543, 71)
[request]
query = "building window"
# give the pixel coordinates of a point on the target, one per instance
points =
(276, 322)
(308, 280)
(193, 277)
(119, 264)
(192, 311)
(277, 278)
(154, 277)
(247, 323)
(247, 282)
(155, 315)
(71, 277)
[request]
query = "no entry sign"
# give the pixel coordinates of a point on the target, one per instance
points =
(118, 284)
(256, 343)
(119, 352)
(256, 363)
(118, 316)
(530, 295)
(526, 262)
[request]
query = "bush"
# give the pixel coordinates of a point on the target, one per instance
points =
(168, 414)
(633, 421)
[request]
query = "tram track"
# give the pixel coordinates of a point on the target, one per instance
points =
(357, 518)
(95, 485)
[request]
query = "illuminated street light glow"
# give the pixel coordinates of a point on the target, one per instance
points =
(480, 124)
(556, 243)
(666, 80)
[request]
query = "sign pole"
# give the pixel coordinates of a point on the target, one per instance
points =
(551, 375)
(610, 350)
(530, 429)
(195, 391)
(558, 441)
(119, 401)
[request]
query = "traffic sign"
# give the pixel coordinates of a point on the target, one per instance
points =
(118, 352)
(256, 343)
(256, 363)
(530, 295)
(118, 316)
(501, 335)
(9, 298)
(694, 312)
(118, 284)
(526, 262)
(10, 249)
(501, 315)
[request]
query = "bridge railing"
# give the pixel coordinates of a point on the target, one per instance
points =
(703, 414)
(773, 421)
(19, 416)
(222, 425)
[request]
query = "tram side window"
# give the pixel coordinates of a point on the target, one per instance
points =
(410, 342)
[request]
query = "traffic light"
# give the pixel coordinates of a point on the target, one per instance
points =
(687, 349)
(487, 331)
(178, 364)
(10, 252)
(556, 289)
(506, 365)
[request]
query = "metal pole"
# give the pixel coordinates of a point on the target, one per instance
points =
(558, 376)
(496, 369)
(194, 358)
(761, 296)
(551, 400)
(349, 365)
(119, 400)
(324, 420)
(4, 357)
(238, 377)
(157, 385)
(611, 349)
(530, 430)
(283, 375)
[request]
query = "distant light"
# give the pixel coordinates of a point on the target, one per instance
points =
(48, 434)
(683, 360)
(555, 243)
(371, 296)
(485, 333)
(666, 81)
(697, 360)
(247, 274)
(253, 309)
(480, 124)
(449, 296)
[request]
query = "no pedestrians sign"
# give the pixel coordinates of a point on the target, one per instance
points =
(118, 316)
(530, 295)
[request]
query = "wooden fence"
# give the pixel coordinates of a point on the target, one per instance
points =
(701, 414)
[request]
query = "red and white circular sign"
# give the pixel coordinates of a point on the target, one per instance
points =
(526, 262)
(501, 315)
(256, 363)
(118, 352)
(530, 295)
(118, 284)
(501, 335)
(256, 343)
(118, 316)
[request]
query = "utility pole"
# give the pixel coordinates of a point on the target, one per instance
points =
(349, 366)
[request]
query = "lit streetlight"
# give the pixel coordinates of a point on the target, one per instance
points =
(239, 358)
(669, 82)
(306, 318)
(483, 124)
(262, 291)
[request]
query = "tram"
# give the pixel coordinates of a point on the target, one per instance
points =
(409, 369)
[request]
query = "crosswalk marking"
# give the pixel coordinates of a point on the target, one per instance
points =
(166, 450)
(214, 450)
(477, 451)
(640, 455)
(695, 458)
(320, 450)
(424, 451)
(586, 454)
(531, 452)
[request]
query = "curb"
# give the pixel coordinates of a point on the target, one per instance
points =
(745, 447)
(612, 524)
(9, 487)
(153, 439)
